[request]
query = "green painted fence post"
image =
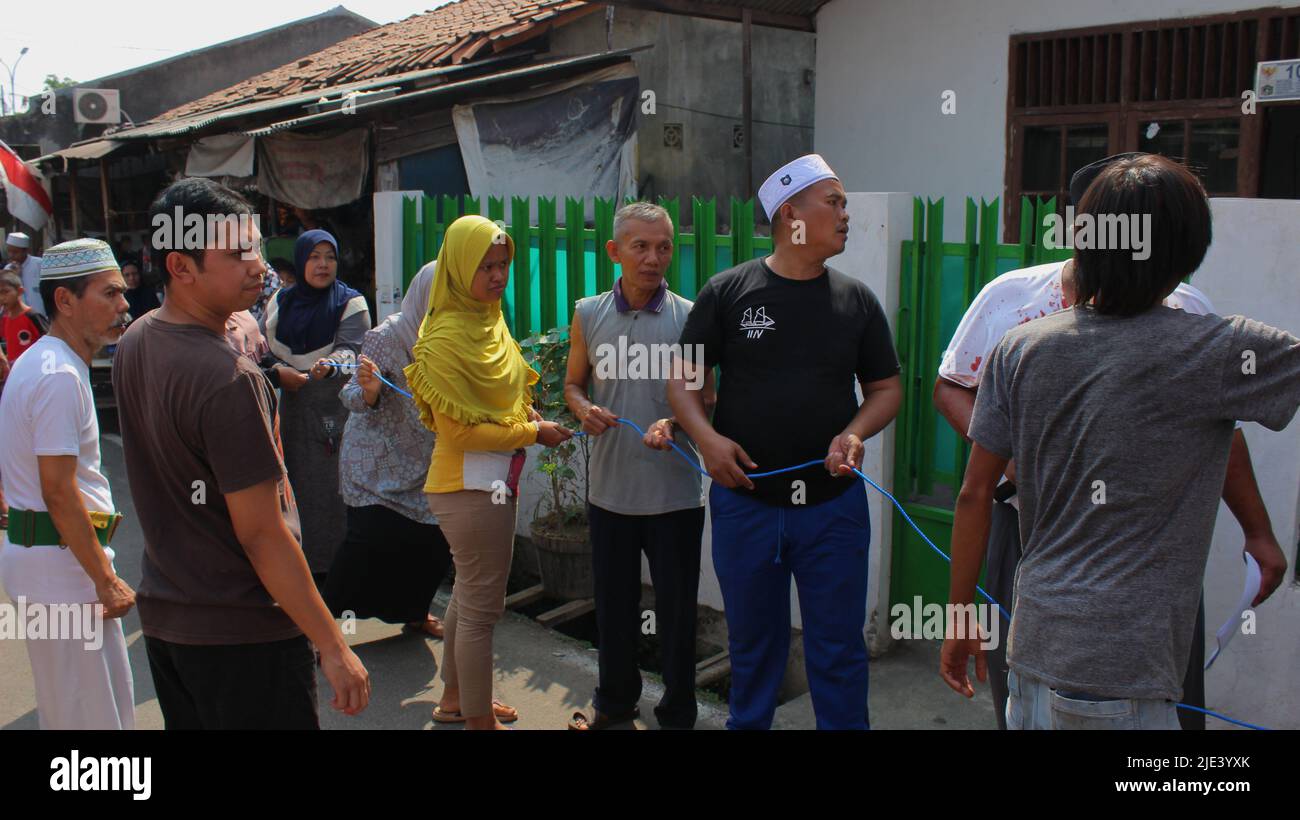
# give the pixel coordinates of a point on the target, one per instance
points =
(988, 242)
(972, 262)
(449, 209)
(412, 239)
(673, 207)
(522, 270)
(575, 251)
(1040, 229)
(431, 231)
(909, 328)
(932, 308)
(706, 226)
(471, 205)
(1026, 232)
(604, 232)
(742, 230)
(547, 289)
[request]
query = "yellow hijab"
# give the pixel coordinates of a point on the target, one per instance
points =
(466, 364)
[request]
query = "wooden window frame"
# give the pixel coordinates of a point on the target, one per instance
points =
(1123, 116)
(1187, 115)
(1016, 145)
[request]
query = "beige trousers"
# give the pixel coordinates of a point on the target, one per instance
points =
(482, 536)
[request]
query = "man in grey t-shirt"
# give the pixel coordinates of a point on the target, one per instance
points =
(1119, 413)
(639, 499)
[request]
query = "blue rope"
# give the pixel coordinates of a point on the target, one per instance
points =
(1223, 717)
(378, 375)
(690, 460)
(696, 465)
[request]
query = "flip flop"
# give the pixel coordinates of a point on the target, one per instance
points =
(503, 713)
(580, 723)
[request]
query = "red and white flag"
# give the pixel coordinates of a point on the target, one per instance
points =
(24, 193)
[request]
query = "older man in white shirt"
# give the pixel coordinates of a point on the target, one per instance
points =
(55, 559)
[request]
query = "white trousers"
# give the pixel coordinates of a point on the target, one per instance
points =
(80, 688)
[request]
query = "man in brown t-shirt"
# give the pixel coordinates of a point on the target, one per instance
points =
(226, 594)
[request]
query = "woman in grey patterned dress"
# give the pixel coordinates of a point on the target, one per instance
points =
(394, 556)
(317, 323)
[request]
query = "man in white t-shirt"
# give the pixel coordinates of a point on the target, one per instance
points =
(55, 561)
(1020, 296)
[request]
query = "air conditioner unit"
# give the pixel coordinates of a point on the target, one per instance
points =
(101, 106)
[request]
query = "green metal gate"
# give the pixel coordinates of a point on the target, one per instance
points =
(938, 282)
(566, 262)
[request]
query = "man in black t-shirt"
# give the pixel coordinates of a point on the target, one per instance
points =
(791, 336)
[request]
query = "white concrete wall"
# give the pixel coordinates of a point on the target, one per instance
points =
(388, 250)
(1251, 270)
(882, 66)
(878, 224)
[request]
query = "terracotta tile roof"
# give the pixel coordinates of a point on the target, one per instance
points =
(448, 35)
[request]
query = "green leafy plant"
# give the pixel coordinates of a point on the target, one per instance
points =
(563, 510)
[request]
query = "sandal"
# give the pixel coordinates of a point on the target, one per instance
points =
(503, 713)
(580, 723)
(430, 626)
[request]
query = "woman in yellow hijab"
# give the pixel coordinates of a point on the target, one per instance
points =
(474, 389)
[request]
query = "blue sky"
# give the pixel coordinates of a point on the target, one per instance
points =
(83, 40)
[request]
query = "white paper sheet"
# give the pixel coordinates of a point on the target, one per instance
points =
(1233, 625)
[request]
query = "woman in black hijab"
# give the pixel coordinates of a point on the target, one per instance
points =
(311, 326)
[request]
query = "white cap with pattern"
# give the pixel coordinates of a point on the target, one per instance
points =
(792, 178)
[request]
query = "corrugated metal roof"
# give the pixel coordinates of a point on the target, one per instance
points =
(534, 70)
(796, 14)
(188, 125)
(91, 149)
(448, 35)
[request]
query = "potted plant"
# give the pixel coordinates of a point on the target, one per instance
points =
(559, 526)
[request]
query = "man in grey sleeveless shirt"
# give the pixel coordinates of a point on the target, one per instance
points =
(640, 500)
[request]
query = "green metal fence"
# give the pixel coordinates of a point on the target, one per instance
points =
(938, 282)
(565, 262)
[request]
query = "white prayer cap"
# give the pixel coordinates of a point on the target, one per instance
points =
(18, 240)
(792, 178)
(77, 258)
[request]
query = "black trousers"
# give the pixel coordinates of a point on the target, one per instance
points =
(388, 567)
(235, 686)
(671, 543)
(1002, 558)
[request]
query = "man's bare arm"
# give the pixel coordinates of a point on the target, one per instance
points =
(880, 402)
(724, 460)
(972, 518)
(955, 403)
(1241, 494)
(280, 565)
(63, 502)
(577, 375)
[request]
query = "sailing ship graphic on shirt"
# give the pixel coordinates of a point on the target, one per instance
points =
(755, 322)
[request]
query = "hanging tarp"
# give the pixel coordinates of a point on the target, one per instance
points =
(224, 155)
(311, 171)
(576, 138)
